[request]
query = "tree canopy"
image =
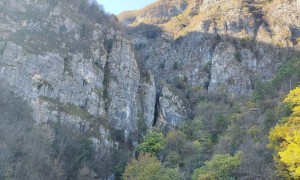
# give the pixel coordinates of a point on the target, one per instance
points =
(219, 167)
(285, 139)
(152, 143)
(148, 167)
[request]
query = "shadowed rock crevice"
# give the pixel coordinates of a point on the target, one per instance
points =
(157, 109)
(106, 80)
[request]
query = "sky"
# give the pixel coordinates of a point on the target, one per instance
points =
(118, 6)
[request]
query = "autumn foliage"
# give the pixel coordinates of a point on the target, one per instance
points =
(285, 139)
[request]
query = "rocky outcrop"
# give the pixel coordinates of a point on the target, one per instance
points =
(171, 110)
(148, 99)
(73, 65)
(157, 13)
(228, 74)
(124, 81)
(216, 46)
(69, 68)
(72, 70)
(224, 47)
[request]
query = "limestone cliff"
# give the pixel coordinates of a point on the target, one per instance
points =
(157, 13)
(219, 46)
(72, 68)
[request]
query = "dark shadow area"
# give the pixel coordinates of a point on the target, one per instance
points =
(147, 30)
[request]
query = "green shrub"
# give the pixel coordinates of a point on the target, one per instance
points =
(148, 167)
(153, 143)
(220, 167)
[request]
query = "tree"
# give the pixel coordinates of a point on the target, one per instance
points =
(285, 139)
(169, 174)
(220, 167)
(153, 143)
(24, 146)
(145, 167)
(40, 151)
(175, 141)
(148, 167)
(181, 152)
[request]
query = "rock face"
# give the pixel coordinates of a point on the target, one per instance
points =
(123, 86)
(218, 46)
(148, 99)
(171, 109)
(225, 45)
(71, 69)
(226, 70)
(157, 13)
